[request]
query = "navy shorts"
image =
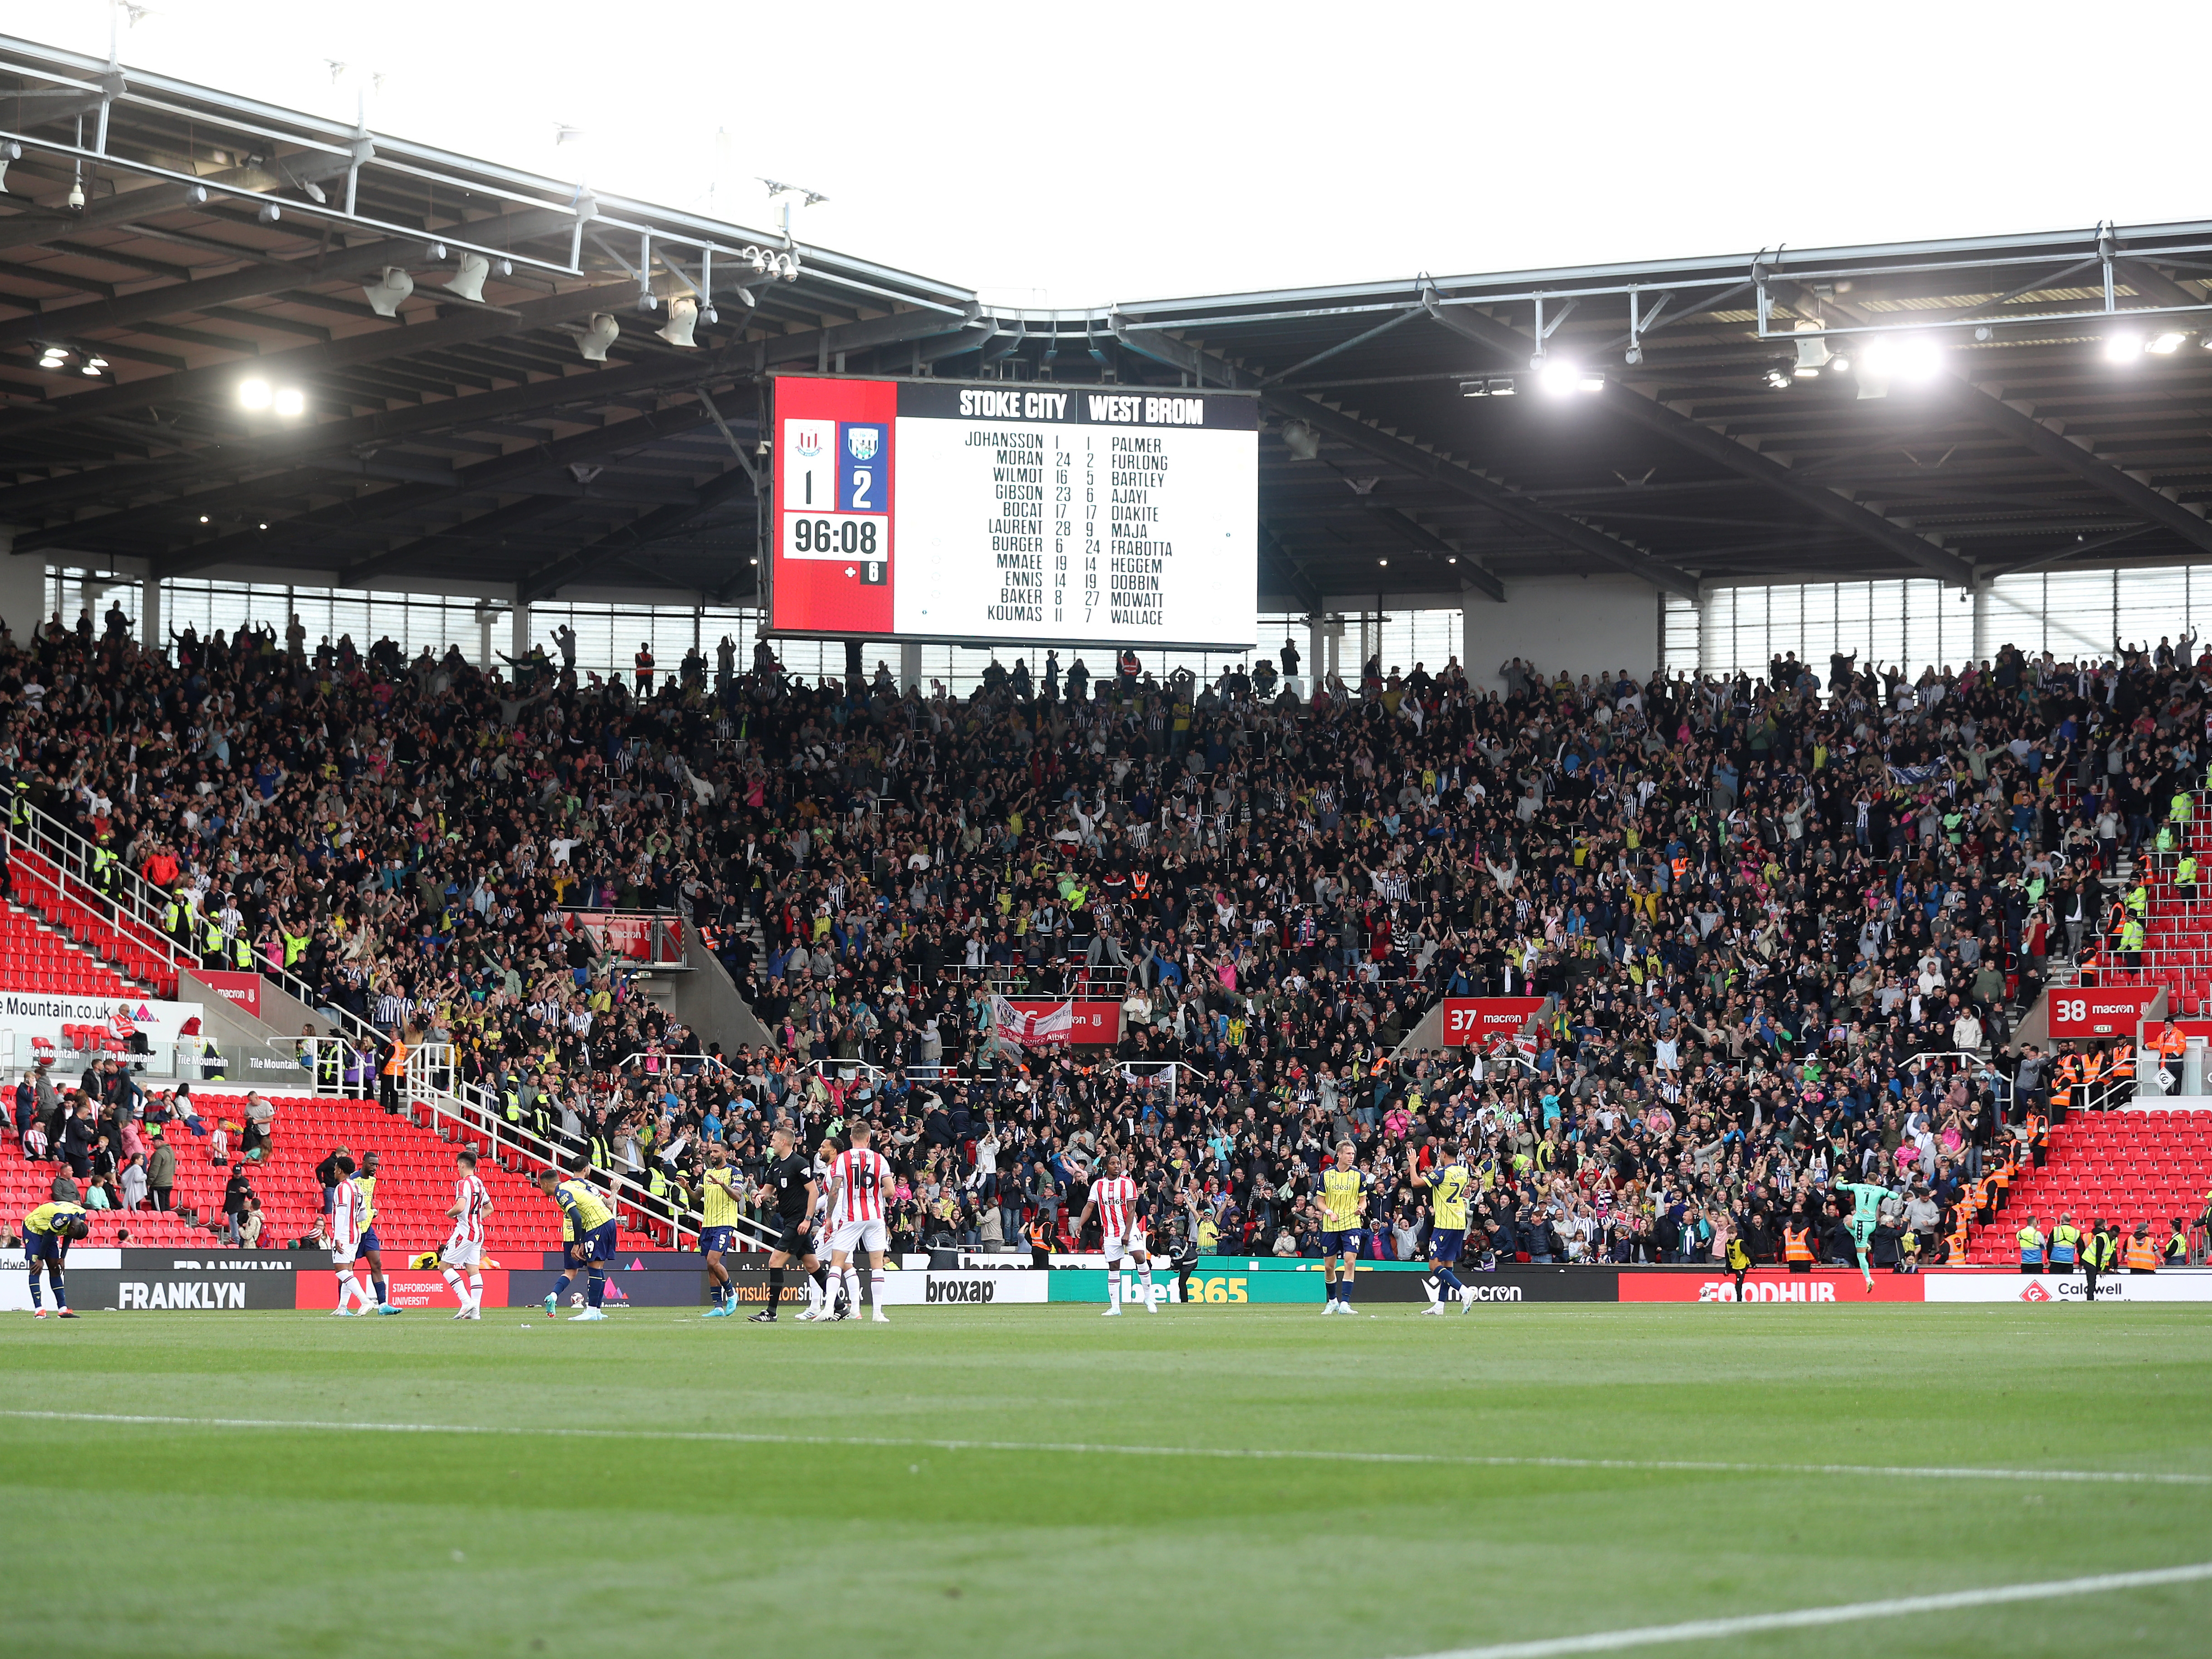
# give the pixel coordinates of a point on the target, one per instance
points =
(42, 1247)
(717, 1238)
(1445, 1243)
(598, 1245)
(370, 1241)
(1347, 1243)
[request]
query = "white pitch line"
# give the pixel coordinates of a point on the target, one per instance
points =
(1708, 1630)
(1080, 1449)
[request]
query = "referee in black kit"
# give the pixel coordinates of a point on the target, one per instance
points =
(791, 1180)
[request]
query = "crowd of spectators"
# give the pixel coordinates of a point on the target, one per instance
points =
(1779, 922)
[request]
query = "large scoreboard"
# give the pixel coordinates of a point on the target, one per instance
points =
(1003, 514)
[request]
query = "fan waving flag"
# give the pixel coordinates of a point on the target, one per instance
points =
(1037, 1028)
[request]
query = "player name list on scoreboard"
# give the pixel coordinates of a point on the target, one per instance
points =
(1084, 515)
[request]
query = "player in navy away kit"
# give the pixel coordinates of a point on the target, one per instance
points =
(371, 1247)
(719, 1216)
(590, 1233)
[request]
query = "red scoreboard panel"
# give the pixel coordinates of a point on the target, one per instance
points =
(834, 563)
(1014, 513)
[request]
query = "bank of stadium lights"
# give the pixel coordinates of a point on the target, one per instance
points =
(258, 396)
(53, 359)
(1901, 357)
(1560, 380)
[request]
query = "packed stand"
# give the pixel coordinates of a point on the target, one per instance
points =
(1784, 919)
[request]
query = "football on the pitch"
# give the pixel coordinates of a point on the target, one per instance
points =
(575, 1298)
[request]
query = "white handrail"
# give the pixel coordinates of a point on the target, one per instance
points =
(145, 903)
(483, 1116)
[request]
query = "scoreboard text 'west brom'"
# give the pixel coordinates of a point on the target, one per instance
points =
(1033, 514)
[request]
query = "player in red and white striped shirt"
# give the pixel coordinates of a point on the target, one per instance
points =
(860, 1184)
(1120, 1205)
(465, 1249)
(348, 1213)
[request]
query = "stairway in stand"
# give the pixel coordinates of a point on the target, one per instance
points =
(35, 957)
(97, 931)
(414, 1185)
(2119, 1166)
(2176, 932)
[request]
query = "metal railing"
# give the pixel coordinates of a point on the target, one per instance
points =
(704, 1062)
(45, 854)
(473, 1112)
(136, 905)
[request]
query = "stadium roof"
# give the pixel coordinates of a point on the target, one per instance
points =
(1994, 417)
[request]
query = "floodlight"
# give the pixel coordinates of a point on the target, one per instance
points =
(682, 316)
(1558, 379)
(269, 213)
(1381, 561)
(1813, 353)
(597, 337)
(1301, 440)
(253, 394)
(2122, 348)
(1841, 364)
(468, 282)
(9, 151)
(290, 400)
(76, 192)
(54, 357)
(1780, 379)
(385, 294)
(1589, 383)
(1902, 357)
(2166, 344)
(204, 518)
(92, 369)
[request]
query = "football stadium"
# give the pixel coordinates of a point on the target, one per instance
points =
(1638, 836)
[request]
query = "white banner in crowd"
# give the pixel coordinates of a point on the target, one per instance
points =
(59, 1026)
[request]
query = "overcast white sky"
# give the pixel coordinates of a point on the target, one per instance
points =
(1067, 155)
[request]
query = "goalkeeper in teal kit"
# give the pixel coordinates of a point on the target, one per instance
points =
(1867, 1201)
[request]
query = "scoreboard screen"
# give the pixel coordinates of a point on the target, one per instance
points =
(1029, 514)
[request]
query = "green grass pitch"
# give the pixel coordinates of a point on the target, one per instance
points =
(839, 1533)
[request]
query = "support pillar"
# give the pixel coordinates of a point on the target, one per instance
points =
(909, 667)
(1316, 634)
(22, 589)
(520, 646)
(153, 630)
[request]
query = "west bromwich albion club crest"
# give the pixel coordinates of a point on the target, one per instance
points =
(861, 441)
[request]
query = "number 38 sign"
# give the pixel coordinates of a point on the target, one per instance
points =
(2079, 1013)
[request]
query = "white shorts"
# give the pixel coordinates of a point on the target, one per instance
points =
(342, 1256)
(1120, 1246)
(858, 1234)
(458, 1253)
